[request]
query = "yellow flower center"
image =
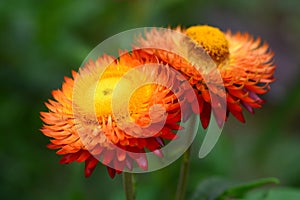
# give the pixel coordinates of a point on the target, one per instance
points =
(211, 39)
(113, 86)
(104, 93)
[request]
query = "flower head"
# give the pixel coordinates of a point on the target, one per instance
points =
(245, 65)
(113, 111)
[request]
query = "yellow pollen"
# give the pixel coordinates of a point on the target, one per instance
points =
(103, 95)
(211, 39)
(112, 78)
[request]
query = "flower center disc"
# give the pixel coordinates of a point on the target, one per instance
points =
(211, 39)
(103, 95)
(139, 95)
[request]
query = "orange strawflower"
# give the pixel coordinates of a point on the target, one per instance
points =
(86, 126)
(244, 63)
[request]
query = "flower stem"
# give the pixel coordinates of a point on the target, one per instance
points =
(184, 171)
(129, 185)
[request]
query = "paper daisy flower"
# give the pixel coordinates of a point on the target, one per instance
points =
(85, 125)
(244, 63)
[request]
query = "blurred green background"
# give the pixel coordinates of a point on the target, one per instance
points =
(42, 41)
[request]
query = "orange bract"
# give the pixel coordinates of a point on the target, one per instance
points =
(84, 126)
(244, 63)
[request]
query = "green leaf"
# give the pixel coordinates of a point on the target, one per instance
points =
(274, 194)
(240, 191)
(210, 188)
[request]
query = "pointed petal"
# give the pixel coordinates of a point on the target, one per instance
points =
(90, 165)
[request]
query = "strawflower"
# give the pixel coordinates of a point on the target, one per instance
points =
(245, 65)
(86, 127)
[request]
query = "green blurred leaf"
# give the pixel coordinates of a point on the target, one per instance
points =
(240, 191)
(274, 194)
(211, 188)
(221, 189)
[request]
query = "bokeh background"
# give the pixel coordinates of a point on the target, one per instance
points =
(42, 41)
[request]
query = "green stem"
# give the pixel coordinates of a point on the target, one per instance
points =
(184, 171)
(129, 185)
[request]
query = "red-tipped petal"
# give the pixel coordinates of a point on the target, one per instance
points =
(205, 115)
(68, 158)
(107, 157)
(83, 156)
(128, 163)
(90, 165)
(119, 165)
(160, 141)
(142, 161)
(239, 116)
(158, 153)
(111, 172)
(121, 154)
